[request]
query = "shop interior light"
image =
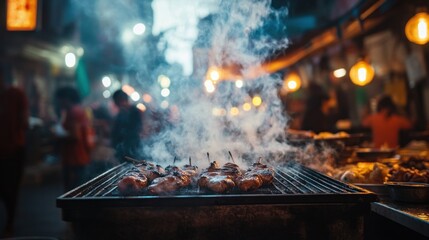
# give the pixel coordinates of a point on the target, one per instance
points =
(213, 74)
(147, 98)
(234, 111)
(339, 73)
(139, 29)
(164, 81)
(257, 101)
(127, 89)
(239, 83)
(417, 28)
(21, 15)
(209, 86)
(135, 96)
(165, 92)
(361, 73)
(292, 82)
(247, 107)
(106, 81)
(70, 59)
(141, 107)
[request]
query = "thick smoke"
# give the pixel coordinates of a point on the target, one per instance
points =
(237, 37)
(250, 135)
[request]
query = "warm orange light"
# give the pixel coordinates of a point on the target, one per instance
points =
(361, 73)
(234, 111)
(417, 28)
(127, 89)
(247, 107)
(147, 98)
(213, 73)
(141, 107)
(257, 101)
(210, 87)
(292, 82)
(21, 15)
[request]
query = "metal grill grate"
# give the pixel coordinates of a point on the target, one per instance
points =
(293, 183)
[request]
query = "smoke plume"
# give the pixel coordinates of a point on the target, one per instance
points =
(236, 39)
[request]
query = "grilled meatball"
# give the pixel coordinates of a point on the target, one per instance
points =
(266, 174)
(174, 181)
(220, 183)
(132, 183)
(205, 177)
(164, 185)
(150, 170)
(250, 181)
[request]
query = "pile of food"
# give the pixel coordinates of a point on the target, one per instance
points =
(329, 135)
(404, 170)
(412, 170)
(362, 172)
(147, 177)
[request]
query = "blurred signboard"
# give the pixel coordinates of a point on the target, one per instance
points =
(21, 15)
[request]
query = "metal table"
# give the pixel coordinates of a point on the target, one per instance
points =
(412, 216)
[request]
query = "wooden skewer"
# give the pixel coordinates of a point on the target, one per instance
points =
(231, 156)
(132, 160)
(260, 159)
(190, 162)
(208, 157)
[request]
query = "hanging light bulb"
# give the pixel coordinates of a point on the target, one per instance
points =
(417, 28)
(361, 73)
(292, 82)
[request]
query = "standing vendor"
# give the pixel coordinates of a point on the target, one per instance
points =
(386, 124)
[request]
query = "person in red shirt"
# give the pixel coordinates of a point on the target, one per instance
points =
(14, 123)
(386, 124)
(73, 135)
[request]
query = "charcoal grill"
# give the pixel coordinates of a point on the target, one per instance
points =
(301, 203)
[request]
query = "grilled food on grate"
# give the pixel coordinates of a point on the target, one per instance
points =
(150, 170)
(176, 179)
(258, 175)
(132, 183)
(215, 178)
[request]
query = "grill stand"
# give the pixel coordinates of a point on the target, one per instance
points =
(294, 221)
(301, 204)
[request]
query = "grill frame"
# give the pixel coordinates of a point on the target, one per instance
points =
(215, 216)
(344, 193)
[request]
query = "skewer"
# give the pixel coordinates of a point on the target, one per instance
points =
(260, 160)
(190, 162)
(231, 156)
(132, 160)
(174, 160)
(208, 157)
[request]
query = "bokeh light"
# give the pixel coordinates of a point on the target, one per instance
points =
(139, 29)
(257, 101)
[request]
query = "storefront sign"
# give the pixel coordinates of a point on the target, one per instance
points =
(21, 15)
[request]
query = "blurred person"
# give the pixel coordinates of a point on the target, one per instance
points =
(14, 123)
(127, 128)
(73, 133)
(386, 124)
(316, 116)
(102, 154)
